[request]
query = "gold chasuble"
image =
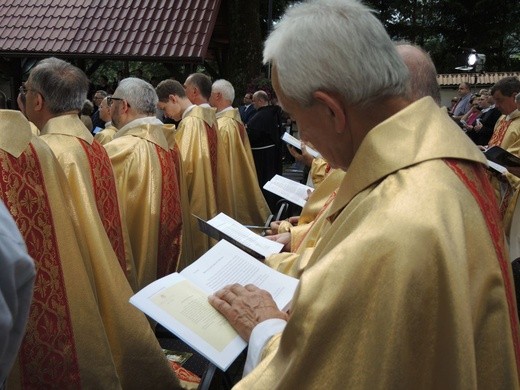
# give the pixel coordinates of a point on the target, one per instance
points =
(248, 203)
(67, 345)
(106, 135)
(307, 232)
(91, 179)
(507, 135)
(147, 173)
(93, 188)
(197, 137)
(410, 285)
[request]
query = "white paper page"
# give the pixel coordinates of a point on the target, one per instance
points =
(245, 236)
(497, 167)
(183, 308)
(288, 138)
(226, 264)
(288, 189)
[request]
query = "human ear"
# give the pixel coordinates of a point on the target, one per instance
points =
(335, 107)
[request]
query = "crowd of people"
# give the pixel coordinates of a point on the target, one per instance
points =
(402, 251)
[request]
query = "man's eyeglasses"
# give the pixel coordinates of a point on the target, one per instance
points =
(110, 100)
(23, 90)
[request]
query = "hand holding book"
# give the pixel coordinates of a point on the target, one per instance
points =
(245, 307)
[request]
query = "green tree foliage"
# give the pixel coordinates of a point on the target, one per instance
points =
(447, 28)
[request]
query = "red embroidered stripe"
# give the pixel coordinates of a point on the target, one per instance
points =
(105, 192)
(499, 133)
(170, 220)
(212, 144)
(47, 355)
(483, 193)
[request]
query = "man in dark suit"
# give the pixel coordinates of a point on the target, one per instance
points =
(248, 109)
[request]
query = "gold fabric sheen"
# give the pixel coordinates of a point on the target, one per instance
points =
(305, 235)
(510, 141)
(64, 134)
(192, 139)
(139, 178)
(91, 352)
(319, 170)
(248, 203)
(137, 355)
(106, 135)
(404, 289)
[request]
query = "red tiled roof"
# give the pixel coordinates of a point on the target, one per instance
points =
(140, 29)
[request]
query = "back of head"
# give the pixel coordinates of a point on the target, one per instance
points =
(262, 96)
(423, 75)
(170, 87)
(63, 86)
(508, 86)
(225, 88)
(139, 94)
(335, 46)
(202, 82)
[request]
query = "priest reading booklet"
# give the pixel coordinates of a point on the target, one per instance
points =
(179, 301)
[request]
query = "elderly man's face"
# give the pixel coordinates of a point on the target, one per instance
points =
(316, 126)
(104, 111)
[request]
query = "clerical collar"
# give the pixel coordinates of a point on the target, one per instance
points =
(140, 121)
(186, 111)
(229, 108)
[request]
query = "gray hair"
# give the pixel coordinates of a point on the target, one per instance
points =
(423, 75)
(225, 88)
(335, 46)
(63, 86)
(139, 94)
(517, 98)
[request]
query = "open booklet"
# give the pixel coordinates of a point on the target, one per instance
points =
(502, 157)
(291, 190)
(179, 301)
(293, 141)
(224, 227)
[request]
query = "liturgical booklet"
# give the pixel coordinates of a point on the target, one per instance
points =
(502, 157)
(179, 301)
(224, 227)
(293, 141)
(291, 190)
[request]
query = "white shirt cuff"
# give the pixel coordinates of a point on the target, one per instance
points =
(260, 335)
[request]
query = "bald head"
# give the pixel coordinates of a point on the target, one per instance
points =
(423, 75)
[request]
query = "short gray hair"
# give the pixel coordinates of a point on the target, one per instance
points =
(63, 86)
(335, 46)
(139, 94)
(225, 88)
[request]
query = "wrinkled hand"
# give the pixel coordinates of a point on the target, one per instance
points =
(284, 238)
(245, 307)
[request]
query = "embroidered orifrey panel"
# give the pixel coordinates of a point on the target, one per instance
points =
(105, 192)
(170, 225)
(475, 179)
(47, 356)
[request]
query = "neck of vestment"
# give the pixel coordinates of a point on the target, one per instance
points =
(68, 124)
(204, 113)
(219, 113)
(396, 143)
(16, 132)
(229, 112)
(149, 128)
